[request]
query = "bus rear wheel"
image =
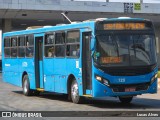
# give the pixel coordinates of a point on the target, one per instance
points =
(26, 86)
(126, 100)
(75, 93)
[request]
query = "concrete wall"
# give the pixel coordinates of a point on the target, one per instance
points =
(6, 25)
(61, 5)
(78, 6)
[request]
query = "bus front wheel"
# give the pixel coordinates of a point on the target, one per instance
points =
(26, 86)
(126, 100)
(75, 93)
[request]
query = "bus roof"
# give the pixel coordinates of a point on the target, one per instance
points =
(74, 25)
(51, 28)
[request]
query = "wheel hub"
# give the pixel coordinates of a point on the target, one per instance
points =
(25, 86)
(75, 90)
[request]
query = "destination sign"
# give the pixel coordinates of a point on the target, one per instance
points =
(105, 60)
(124, 26)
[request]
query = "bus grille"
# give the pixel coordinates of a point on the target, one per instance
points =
(138, 87)
(128, 71)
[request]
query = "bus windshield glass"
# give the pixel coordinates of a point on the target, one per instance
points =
(125, 49)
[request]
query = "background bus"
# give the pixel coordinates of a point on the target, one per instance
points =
(98, 58)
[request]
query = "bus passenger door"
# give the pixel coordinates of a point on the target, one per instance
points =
(39, 61)
(86, 63)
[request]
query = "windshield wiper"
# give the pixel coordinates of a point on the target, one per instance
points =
(112, 35)
(134, 48)
(142, 51)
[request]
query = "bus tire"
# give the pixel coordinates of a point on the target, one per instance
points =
(26, 86)
(126, 100)
(75, 93)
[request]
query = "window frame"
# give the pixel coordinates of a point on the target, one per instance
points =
(60, 44)
(14, 47)
(24, 46)
(47, 45)
(73, 43)
(8, 47)
(33, 46)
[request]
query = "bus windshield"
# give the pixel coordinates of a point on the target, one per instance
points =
(125, 49)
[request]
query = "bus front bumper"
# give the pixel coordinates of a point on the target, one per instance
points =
(102, 90)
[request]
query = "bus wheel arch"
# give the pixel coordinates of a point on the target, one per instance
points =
(73, 90)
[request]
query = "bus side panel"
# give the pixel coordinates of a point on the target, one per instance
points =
(15, 71)
(6, 70)
(21, 69)
(48, 64)
(60, 73)
(6, 76)
(27, 65)
(32, 80)
(74, 67)
(12, 66)
(63, 84)
(31, 73)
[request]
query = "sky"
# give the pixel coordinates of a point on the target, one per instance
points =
(137, 1)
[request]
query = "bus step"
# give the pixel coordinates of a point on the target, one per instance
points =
(40, 89)
(87, 96)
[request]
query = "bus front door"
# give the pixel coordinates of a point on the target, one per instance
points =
(86, 63)
(39, 61)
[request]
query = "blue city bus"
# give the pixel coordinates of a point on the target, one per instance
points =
(95, 58)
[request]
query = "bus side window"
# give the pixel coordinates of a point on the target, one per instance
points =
(7, 45)
(21, 46)
(14, 47)
(29, 46)
(73, 44)
(49, 45)
(60, 44)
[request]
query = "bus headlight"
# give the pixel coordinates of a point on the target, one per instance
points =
(98, 78)
(153, 78)
(102, 80)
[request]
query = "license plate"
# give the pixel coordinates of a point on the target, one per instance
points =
(130, 89)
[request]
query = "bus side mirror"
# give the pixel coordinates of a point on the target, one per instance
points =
(96, 55)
